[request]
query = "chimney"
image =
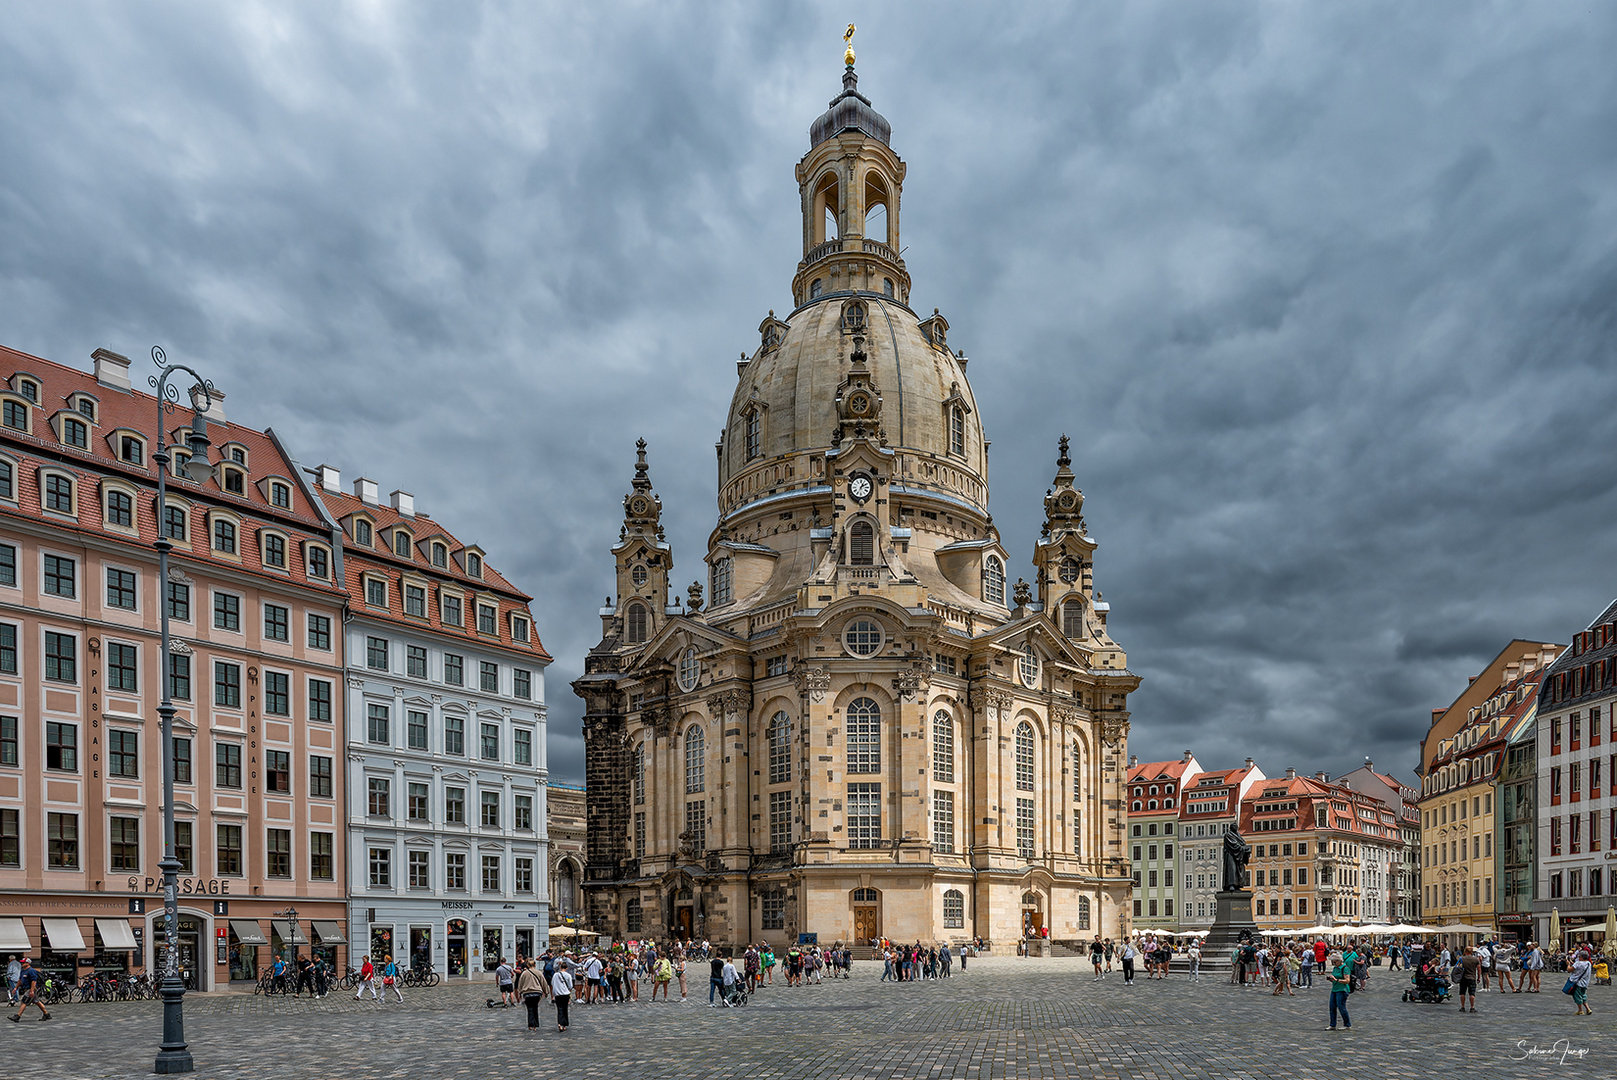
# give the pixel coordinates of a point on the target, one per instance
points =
(111, 369)
(1437, 714)
(404, 503)
(1322, 777)
(214, 400)
(329, 479)
(1513, 671)
(1188, 756)
(1291, 774)
(1133, 761)
(365, 491)
(1547, 654)
(1249, 763)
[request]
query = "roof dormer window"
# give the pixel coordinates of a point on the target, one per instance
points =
(238, 454)
(401, 543)
(281, 495)
(131, 450)
(440, 555)
(86, 408)
(474, 564)
(519, 629)
(362, 532)
(29, 389)
(233, 480)
(16, 415)
(75, 432)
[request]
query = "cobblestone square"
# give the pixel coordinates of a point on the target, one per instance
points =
(1004, 1017)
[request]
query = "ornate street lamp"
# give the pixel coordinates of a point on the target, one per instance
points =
(173, 1056)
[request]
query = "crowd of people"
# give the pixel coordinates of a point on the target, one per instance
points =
(907, 963)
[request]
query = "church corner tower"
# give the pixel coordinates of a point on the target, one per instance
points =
(857, 727)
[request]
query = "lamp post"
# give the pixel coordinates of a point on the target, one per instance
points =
(173, 1056)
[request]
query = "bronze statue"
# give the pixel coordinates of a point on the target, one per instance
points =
(1236, 853)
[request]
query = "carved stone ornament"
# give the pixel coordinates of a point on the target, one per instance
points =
(179, 648)
(1022, 593)
(728, 703)
(1114, 732)
(1063, 714)
(906, 684)
(998, 699)
(813, 681)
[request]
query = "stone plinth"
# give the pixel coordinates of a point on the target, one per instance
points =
(1232, 921)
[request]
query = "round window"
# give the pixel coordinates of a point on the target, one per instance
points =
(690, 670)
(1029, 665)
(639, 576)
(863, 637)
(1069, 570)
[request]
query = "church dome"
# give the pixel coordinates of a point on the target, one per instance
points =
(849, 110)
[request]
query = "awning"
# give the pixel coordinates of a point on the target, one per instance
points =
(116, 935)
(248, 932)
(63, 934)
(289, 933)
(14, 937)
(329, 933)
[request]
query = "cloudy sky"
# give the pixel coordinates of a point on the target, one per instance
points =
(1326, 295)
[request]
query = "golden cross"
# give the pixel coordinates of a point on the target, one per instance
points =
(847, 57)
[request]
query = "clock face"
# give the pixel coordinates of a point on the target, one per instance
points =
(858, 404)
(860, 487)
(638, 507)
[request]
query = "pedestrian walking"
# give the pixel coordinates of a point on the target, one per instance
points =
(1280, 965)
(1533, 966)
(1097, 954)
(390, 978)
(1194, 953)
(13, 973)
(1341, 986)
(1129, 954)
(29, 982)
(367, 977)
(1470, 969)
(1578, 980)
(506, 977)
(561, 991)
(530, 989)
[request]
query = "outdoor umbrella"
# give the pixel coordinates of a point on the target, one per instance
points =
(1610, 946)
(1555, 926)
(571, 931)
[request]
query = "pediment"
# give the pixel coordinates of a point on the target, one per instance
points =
(1045, 635)
(680, 632)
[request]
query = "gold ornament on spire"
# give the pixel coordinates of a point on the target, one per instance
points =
(847, 57)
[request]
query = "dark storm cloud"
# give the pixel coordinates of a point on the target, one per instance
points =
(1326, 297)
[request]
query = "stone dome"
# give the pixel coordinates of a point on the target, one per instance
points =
(849, 109)
(785, 402)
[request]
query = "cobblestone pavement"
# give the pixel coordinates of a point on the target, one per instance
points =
(1004, 1017)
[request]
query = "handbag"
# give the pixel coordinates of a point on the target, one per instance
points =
(1571, 985)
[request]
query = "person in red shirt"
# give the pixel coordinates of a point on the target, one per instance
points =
(1319, 952)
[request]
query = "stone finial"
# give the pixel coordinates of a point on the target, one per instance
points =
(1022, 593)
(695, 594)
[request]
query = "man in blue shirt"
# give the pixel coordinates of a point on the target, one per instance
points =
(28, 985)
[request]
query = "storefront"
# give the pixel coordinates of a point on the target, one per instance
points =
(456, 938)
(70, 936)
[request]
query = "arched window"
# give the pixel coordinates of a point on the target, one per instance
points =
(780, 748)
(954, 910)
(993, 581)
(876, 223)
(690, 670)
(887, 287)
(943, 747)
(640, 775)
(695, 760)
(1137, 805)
(401, 544)
(957, 431)
(861, 544)
(721, 582)
(864, 736)
(224, 536)
(1070, 570)
(566, 895)
(632, 915)
(814, 289)
(1072, 618)
(754, 432)
(1077, 773)
(1028, 665)
(1152, 805)
(1083, 913)
(865, 896)
(1024, 756)
(636, 624)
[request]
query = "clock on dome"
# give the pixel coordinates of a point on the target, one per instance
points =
(860, 488)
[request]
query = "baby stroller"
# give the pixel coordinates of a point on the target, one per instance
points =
(1428, 987)
(736, 996)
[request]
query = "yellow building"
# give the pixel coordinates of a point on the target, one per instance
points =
(864, 729)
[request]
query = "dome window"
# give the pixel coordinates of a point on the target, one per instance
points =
(853, 318)
(1029, 670)
(754, 432)
(723, 592)
(861, 544)
(1072, 618)
(994, 581)
(863, 637)
(887, 287)
(814, 289)
(636, 624)
(957, 431)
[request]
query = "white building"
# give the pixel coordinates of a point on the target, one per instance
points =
(445, 714)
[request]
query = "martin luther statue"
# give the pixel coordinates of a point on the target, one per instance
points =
(1236, 852)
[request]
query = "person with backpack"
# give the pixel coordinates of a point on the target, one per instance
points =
(1341, 986)
(367, 977)
(1249, 964)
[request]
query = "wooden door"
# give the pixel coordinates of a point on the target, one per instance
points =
(866, 927)
(683, 917)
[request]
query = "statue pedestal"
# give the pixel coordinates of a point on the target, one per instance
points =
(1232, 922)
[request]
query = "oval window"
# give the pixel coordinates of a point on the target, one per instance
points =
(690, 670)
(1029, 665)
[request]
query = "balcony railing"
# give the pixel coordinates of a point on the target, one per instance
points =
(820, 251)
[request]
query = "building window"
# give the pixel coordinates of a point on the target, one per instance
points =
(227, 685)
(474, 565)
(863, 637)
(123, 754)
(8, 649)
(640, 834)
(61, 577)
(226, 612)
(943, 822)
(379, 796)
(454, 670)
(381, 864)
(416, 802)
(227, 765)
(522, 812)
(8, 740)
(1024, 829)
(522, 742)
(636, 624)
(224, 536)
(861, 544)
(780, 748)
(696, 826)
(320, 632)
(440, 555)
(278, 852)
(455, 872)
(491, 873)
(280, 495)
(780, 821)
(488, 677)
(229, 850)
(376, 592)
(62, 841)
(455, 805)
(362, 532)
(690, 670)
(942, 747)
(524, 883)
(59, 495)
(276, 625)
(754, 422)
(319, 562)
(376, 653)
(1028, 666)
(120, 510)
(722, 582)
(235, 481)
(490, 810)
(455, 736)
(16, 416)
(451, 610)
(278, 771)
(415, 601)
(993, 581)
(1072, 618)
(320, 776)
(320, 700)
(420, 876)
(522, 684)
(61, 657)
(490, 742)
(695, 760)
(773, 911)
(8, 557)
(10, 838)
(179, 677)
(275, 551)
(1024, 756)
(175, 525)
(124, 836)
(179, 601)
(401, 544)
(376, 722)
(864, 815)
(954, 910)
(122, 667)
(519, 630)
(75, 433)
(864, 736)
(415, 661)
